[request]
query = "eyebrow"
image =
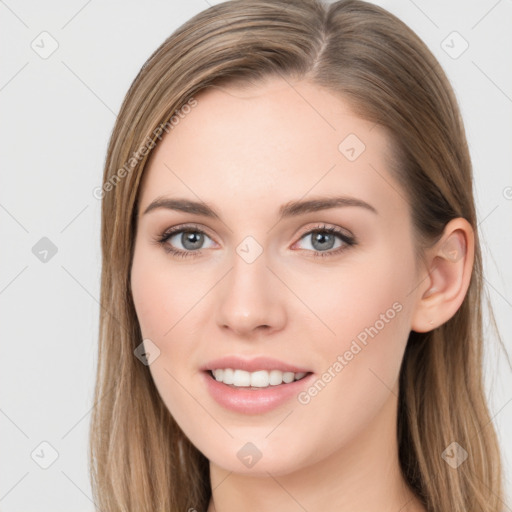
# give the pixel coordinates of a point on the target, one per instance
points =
(290, 209)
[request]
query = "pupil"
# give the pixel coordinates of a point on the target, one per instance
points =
(194, 239)
(321, 238)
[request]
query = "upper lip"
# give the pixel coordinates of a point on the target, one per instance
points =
(252, 365)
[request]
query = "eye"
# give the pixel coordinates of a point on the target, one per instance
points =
(190, 238)
(323, 240)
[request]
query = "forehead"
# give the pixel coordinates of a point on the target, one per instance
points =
(270, 143)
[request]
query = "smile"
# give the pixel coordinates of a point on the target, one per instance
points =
(259, 379)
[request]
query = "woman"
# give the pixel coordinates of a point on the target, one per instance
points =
(292, 276)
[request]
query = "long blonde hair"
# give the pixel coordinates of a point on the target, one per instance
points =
(140, 460)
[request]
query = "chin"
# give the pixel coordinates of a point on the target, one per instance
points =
(257, 459)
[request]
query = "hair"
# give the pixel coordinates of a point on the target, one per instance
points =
(139, 457)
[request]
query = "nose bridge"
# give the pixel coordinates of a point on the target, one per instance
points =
(250, 297)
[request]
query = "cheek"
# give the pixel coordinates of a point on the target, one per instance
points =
(371, 293)
(167, 299)
(162, 300)
(368, 311)
(160, 295)
(151, 301)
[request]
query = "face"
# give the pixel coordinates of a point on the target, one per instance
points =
(323, 289)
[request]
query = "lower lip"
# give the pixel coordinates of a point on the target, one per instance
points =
(253, 400)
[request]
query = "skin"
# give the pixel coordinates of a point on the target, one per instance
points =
(247, 151)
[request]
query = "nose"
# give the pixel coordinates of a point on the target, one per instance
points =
(251, 299)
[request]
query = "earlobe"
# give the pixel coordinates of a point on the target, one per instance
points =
(450, 265)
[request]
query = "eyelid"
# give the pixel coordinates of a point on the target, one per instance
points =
(320, 226)
(187, 227)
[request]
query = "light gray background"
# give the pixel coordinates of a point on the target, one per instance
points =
(57, 115)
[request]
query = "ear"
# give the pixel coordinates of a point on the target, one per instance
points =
(449, 265)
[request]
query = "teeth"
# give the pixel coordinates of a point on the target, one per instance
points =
(259, 379)
(227, 376)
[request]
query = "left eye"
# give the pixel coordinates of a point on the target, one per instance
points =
(323, 240)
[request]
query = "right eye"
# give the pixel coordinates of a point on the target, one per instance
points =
(190, 238)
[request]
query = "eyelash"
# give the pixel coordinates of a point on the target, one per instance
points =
(164, 237)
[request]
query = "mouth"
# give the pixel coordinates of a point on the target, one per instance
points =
(253, 393)
(254, 385)
(258, 380)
